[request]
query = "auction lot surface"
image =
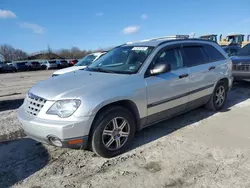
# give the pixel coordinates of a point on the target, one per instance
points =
(197, 149)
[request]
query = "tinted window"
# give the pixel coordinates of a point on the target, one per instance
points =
(214, 54)
(245, 51)
(21, 64)
(170, 56)
(35, 63)
(195, 55)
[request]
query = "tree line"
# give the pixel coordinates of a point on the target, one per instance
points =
(12, 54)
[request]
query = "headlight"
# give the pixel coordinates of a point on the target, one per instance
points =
(64, 108)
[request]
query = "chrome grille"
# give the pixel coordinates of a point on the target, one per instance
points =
(241, 67)
(34, 104)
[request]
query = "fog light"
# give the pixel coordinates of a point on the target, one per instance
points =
(55, 141)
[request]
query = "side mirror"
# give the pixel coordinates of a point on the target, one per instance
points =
(160, 68)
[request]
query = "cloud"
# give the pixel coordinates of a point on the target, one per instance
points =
(34, 27)
(4, 14)
(130, 30)
(144, 16)
(192, 34)
(99, 14)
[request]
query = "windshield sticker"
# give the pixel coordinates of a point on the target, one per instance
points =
(140, 48)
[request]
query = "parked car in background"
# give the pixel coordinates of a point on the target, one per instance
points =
(131, 87)
(19, 65)
(73, 62)
(6, 68)
(232, 50)
(33, 65)
(48, 64)
(83, 63)
(241, 64)
(62, 63)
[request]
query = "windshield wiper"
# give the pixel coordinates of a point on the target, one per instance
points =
(100, 70)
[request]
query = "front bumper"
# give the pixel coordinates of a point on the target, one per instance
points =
(241, 75)
(71, 134)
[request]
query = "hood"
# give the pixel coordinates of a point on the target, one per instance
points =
(241, 59)
(69, 69)
(78, 84)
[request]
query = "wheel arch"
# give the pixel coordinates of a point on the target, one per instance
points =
(226, 80)
(125, 103)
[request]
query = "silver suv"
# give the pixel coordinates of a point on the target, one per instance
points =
(133, 86)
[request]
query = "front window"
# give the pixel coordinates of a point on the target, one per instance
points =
(245, 51)
(87, 60)
(124, 60)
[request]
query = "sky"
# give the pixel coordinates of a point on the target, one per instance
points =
(32, 25)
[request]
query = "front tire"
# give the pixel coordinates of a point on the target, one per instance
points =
(218, 97)
(113, 132)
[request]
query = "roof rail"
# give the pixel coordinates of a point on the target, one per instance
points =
(162, 38)
(189, 39)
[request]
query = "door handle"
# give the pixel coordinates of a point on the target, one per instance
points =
(183, 76)
(211, 68)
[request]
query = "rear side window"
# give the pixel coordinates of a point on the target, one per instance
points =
(214, 54)
(195, 55)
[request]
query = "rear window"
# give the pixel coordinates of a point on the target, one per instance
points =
(52, 62)
(214, 54)
(64, 61)
(195, 55)
(35, 63)
(21, 64)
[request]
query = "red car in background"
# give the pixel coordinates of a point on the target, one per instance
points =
(73, 62)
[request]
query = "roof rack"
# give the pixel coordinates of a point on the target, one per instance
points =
(189, 39)
(163, 38)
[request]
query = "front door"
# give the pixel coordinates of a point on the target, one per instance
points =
(167, 92)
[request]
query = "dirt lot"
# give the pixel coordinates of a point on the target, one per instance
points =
(197, 149)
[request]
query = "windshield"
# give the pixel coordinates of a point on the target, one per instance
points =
(124, 59)
(245, 51)
(87, 60)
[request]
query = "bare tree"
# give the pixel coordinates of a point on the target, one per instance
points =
(11, 54)
(73, 53)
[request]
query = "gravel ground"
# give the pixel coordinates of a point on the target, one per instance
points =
(13, 88)
(197, 149)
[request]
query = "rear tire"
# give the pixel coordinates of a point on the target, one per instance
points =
(113, 131)
(218, 97)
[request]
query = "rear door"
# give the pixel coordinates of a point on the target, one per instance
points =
(167, 92)
(201, 82)
(218, 65)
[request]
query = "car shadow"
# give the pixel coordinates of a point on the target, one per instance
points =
(20, 159)
(239, 93)
(11, 104)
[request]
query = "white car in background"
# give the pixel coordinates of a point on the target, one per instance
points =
(84, 62)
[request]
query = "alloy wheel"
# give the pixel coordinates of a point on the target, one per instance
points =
(116, 133)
